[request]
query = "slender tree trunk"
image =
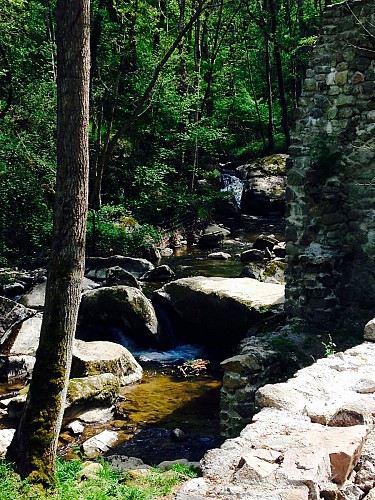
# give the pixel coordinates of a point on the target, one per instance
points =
(270, 135)
(35, 443)
(279, 73)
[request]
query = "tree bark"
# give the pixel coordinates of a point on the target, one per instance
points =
(35, 443)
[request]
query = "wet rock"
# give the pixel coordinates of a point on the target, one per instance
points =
(253, 255)
(14, 368)
(169, 464)
(125, 307)
(116, 275)
(160, 273)
(265, 241)
(219, 256)
(213, 236)
(100, 443)
(96, 267)
(95, 358)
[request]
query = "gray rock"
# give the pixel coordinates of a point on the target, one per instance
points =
(160, 273)
(11, 314)
(35, 298)
(213, 236)
(370, 331)
(264, 185)
(253, 255)
(96, 358)
(97, 415)
(96, 267)
(75, 427)
(125, 307)
(6, 436)
(219, 256)
(27, 340)
(116, 275)
(124, 463)
(100, 443)
(95, 389)
(200, 306)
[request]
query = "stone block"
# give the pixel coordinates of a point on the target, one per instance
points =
(369, 333)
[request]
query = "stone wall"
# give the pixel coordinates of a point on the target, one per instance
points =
(331, 177)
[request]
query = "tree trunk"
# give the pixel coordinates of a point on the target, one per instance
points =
(35, 443)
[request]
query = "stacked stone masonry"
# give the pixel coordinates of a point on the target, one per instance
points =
(331, 175)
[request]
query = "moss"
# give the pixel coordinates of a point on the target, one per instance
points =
(272, 268)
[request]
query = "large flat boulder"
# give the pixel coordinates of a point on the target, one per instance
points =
(218, 311)
(96, 267)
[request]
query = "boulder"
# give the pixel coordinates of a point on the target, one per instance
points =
(265, 241)
(11, 314)
(35, 298)
(96, 267)
(116, 275)
(103, 389)
(253, 255)
(264, 185)
(124, 307)
(213, 236)
(27, 339)
(95, 358)
(199, 307)
(160, 273)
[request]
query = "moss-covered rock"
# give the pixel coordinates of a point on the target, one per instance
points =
(97, 358)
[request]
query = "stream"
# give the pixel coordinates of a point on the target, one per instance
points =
(169, 415)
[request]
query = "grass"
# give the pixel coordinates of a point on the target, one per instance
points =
(109, 484)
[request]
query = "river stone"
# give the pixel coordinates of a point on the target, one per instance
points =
(100, 443)
(95, 358)
(199, 307)
(103, 389)
(219, 256)
(160, 273)
(96, 267)
(213, 236)
(35, 298)
(116, 275)
(11, 314)
(97, 415)
(125, 307)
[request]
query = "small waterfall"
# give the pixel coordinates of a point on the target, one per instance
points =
(234, 185)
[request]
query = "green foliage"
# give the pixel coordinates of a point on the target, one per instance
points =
(113, 230)
(329, 346)
(109, 484)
